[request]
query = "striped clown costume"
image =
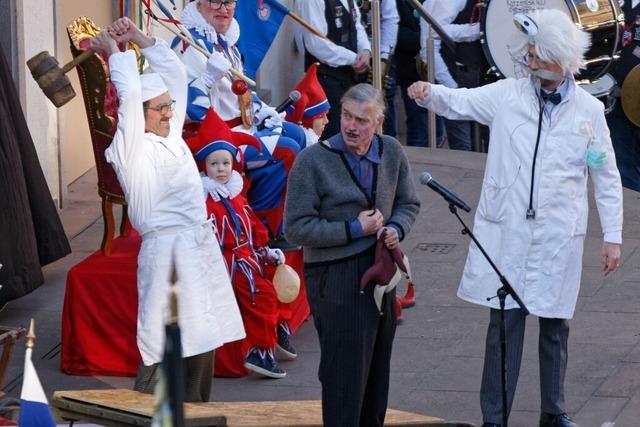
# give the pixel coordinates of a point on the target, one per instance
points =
(267, 168)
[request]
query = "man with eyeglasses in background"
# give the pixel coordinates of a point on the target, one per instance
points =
(166, 206)
(548, 135)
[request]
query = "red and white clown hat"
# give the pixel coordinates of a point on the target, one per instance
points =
(313, 101)
(214, 134)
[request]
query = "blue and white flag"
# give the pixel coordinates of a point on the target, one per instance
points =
(259, 22)
(34, 408)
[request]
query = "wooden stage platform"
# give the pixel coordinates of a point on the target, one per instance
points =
(120, 407)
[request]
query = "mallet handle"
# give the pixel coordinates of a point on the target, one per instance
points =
(78, 59)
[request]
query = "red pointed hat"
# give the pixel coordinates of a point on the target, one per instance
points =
(313, 101)
(214, 134)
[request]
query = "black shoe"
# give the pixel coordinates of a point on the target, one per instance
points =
(556, 420)
(284, 344)
(279, 242)
(263, 362)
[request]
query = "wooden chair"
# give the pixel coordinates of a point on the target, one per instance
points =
(101, 104)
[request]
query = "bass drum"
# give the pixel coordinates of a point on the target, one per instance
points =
(603, 19)
(603, 89)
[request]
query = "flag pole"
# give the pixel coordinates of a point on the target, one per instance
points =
(200, 49)
(31, 336)
(173, 363)
(375, 45)
(308, 26)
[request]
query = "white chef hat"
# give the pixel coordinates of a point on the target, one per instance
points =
(152, 86)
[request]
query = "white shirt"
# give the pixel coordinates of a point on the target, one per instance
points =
(313, 12)
(389, 21)
(444, 12)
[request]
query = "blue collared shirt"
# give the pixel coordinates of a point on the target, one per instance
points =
(362, 169)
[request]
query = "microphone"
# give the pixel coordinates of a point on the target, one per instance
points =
(293, 97)
(449, 196)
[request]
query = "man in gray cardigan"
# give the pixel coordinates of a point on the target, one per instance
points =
(341, 193)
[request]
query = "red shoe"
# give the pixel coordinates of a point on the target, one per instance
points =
(409, 298)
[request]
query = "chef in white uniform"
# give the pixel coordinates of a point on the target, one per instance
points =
(166, 206)
(548, 135)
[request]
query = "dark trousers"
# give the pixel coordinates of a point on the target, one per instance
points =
(552, 353)
(198, 375)
(334, 88)
(355, 343)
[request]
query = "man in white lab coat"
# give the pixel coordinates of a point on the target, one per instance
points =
(547, 136)
(166, 206)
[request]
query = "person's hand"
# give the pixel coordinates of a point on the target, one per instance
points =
(275, 256)
(215, 189)
(361, 63)
(217, 66)
(103, 42)
(122, 30)
(270, 116)
(419, 90)
(391, 238)
(610, 257)
(371, 221)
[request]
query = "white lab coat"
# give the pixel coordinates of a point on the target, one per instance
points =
(166, 206)
(541, 258)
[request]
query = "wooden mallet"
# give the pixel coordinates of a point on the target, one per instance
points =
(52, 79)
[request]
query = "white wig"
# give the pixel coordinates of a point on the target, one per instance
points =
(558, 40)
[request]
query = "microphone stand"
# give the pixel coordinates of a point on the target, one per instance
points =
(502, 293)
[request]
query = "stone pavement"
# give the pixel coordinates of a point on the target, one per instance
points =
(438, 353)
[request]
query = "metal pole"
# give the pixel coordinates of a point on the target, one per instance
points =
(431, 71)
(375, 44)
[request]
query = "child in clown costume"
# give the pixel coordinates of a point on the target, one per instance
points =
(311, 110)
(242, 237)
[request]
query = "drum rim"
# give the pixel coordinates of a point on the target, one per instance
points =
(618, 25)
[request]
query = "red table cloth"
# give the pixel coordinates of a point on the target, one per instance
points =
(99, 315)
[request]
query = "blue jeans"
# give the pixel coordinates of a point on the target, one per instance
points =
(458, 134)
(417, 116)
(625, 137)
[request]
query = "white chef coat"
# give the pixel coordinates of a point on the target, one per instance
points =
(166, 206)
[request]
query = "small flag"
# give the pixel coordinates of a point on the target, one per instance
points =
(260, 21)
(169, 391)
(34, 408)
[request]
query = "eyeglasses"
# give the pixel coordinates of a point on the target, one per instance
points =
(163, 108)
(528, 58)
(217, 4)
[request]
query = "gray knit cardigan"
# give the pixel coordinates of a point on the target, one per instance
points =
(323, 196)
